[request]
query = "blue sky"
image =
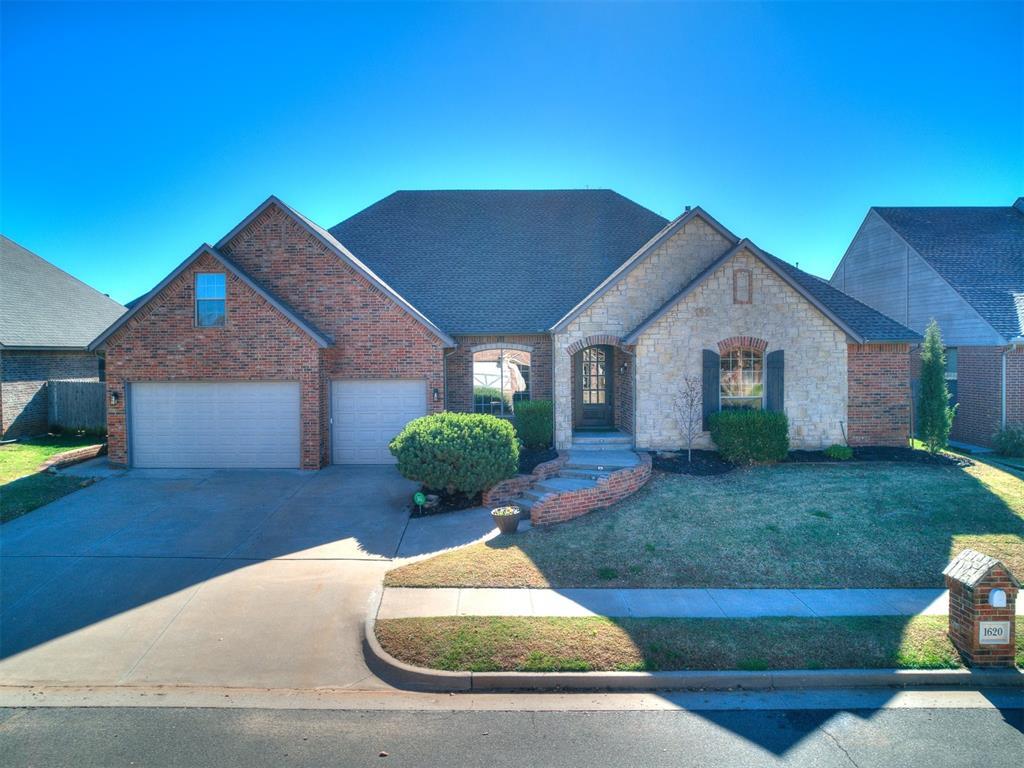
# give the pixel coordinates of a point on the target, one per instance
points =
(132, 133)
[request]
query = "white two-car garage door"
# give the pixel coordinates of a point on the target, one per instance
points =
(228, 424)
(366, 414)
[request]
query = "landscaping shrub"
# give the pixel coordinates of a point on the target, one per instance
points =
(457, 452)
(839, 452)
(1009, 441)
(934, 416)
(745, 436)
(535, 422)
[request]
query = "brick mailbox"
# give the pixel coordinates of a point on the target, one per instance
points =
(982, 594)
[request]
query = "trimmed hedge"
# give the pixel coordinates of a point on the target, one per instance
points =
(465, 452)
(748, 436)
(535, 422)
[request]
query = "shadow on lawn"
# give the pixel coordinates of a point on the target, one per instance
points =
(918, 528)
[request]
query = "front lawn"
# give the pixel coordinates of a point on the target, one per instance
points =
(24, 488)
(790, 525)
(484, 644)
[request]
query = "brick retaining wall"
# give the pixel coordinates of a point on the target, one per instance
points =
(559, 507)
(514, 487)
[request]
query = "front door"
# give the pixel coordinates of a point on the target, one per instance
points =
(594, 388)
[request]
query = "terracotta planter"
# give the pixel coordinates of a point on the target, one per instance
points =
(506, 523)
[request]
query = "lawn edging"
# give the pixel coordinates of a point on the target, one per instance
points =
(403, 675)
(74, 456)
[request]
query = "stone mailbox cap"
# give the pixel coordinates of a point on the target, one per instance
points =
(970, 568)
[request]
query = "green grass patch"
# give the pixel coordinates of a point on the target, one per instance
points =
(506, 644)
(22, 486)
(881, 524)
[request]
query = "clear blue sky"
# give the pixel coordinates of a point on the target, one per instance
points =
(132, 133)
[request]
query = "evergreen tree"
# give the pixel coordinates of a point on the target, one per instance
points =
(934, 416)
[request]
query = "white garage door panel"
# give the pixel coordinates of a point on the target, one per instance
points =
(368, 414)
(237, 424)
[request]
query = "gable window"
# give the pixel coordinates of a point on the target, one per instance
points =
(501, 378)
(741, 379)
(210, 299)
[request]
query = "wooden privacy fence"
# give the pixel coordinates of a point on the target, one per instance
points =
(77, 404)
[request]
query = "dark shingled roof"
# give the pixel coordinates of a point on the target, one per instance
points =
(978, 251)
(869, 323)
(42, 306)
(497, 261)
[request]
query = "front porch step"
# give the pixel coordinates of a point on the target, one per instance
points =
(586, 474)
(601, 460)
(602, 441)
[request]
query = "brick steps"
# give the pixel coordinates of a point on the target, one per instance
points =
(588, 480)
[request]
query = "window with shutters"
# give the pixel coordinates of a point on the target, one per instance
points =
(741, 379)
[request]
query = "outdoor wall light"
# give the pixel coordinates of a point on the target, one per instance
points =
(114, 397)
(623, 368)
(997, 598)
(437, 394)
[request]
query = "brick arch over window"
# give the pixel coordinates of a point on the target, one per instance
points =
(593, 341)
(500, 345)
(742, 342)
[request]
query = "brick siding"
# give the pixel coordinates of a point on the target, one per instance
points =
(374, 338)
(1015, 386)
(257, 343)
(622, 391)
(459, 367)
(23, 393)
(979, 378)
(559, 507)
(878, 383)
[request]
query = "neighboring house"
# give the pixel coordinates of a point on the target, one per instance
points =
(47, 319)
(964, 268)
(286, 344)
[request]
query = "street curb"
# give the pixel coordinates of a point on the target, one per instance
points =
(403, 675)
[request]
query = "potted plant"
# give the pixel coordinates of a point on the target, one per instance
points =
(506, 518)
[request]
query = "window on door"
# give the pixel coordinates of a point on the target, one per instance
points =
(501, 378)
(594, 373)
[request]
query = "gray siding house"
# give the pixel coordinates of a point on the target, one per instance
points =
(47, 319)
(964, 268)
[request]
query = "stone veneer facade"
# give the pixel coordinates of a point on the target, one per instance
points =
(651, 282)
(815, 354)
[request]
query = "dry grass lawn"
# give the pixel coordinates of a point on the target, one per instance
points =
(790, 525)
(483, 644)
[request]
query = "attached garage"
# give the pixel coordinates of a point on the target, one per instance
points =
(366, 414)
(215, 424)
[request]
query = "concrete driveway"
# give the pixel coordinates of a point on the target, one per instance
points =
(200, 577)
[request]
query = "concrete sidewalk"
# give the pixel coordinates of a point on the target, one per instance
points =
(402, 602)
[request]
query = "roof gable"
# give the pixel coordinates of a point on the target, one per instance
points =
(320, 338)
(334, 246)
(857, 320)
(661, 237)
(42, 306)
(979, 251)
(498, 261)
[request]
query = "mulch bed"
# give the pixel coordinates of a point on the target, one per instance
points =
(528, 459)
(883, 453)
(447, 502)
(704, 463)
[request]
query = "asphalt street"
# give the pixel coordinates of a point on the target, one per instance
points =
(104, 737)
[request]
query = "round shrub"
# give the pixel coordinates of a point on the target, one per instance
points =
(464, 452)
(1009, 441)
(534, 420)
(748, 436)
(839, 452)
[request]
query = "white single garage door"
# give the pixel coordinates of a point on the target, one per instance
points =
(367, 414)
(228, 424)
